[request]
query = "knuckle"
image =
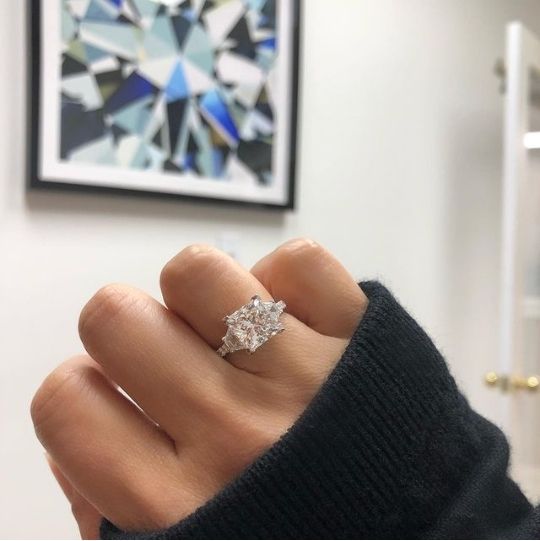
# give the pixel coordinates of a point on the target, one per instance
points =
(107, 303)
(61, 387)
(189, 264)
(297, 251)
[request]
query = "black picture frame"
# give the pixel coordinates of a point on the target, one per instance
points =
(35, 182)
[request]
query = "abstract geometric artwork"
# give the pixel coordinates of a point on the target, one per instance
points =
(185, 97)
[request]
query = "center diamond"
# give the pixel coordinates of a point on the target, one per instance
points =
(253, 324)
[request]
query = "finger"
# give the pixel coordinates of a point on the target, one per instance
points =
(114, 457)
(156, 358)
(318, 290)
(202, 285)
(86, 515)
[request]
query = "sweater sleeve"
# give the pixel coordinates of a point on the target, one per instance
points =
(388, 448)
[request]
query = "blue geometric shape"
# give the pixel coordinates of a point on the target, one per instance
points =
(217, 163)
(215, 107)
(256, 5)
(98, 12)
(133, 88)
(269, 43)
(117, 3)
(93, 53)
(189, 14)
(177, 87)
(189, 162)
(134, 117)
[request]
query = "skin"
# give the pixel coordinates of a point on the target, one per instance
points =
(195, 421)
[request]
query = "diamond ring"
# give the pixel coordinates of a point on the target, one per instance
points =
(252, 325)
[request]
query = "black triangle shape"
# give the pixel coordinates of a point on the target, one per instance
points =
(71, 66)
(244, 44)
(158, 138)
(110, 77)
(208, 5)
(175, 116)
(170, 166)
(181, 27)
(265, 108)
(257, 155)
(117, 132)
(192, 146)
(123, 19)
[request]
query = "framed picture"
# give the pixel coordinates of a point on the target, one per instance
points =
(188, 98)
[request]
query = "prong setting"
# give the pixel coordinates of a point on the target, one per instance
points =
(252, 325)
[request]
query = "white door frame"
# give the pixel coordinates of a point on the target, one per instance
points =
(522, 55)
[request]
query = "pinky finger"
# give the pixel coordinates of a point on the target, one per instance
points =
(87, 517)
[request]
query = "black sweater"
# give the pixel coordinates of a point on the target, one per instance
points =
(389, 448)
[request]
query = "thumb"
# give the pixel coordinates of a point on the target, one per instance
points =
(86, 515)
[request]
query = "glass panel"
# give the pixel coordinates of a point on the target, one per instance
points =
(531, 205)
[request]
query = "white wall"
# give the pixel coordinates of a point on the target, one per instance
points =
(400, 177)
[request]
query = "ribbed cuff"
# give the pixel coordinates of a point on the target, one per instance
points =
(365, 459)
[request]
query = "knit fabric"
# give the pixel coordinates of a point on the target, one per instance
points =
(388, 448)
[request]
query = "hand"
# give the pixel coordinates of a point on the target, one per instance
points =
(195, 420)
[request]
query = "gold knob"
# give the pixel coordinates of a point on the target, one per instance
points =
(512, 383)
(492, 378)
